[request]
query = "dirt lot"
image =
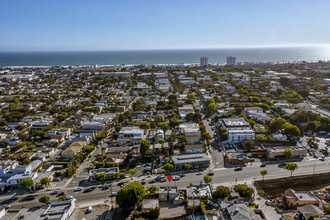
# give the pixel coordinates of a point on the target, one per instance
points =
(276, 187)
(99, 211)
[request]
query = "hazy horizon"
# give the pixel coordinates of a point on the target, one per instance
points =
(164, 49)
(105, 25)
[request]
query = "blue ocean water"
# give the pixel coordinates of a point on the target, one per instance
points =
(282, 54)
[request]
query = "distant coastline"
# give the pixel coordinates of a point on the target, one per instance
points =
(185, 56)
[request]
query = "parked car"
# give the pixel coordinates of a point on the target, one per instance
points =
(68, 197)
(262, 165)
(90, 209)
(211, 174)
(104, 186)
(152, 181)
(163, 180)
(238, 169)
(268, 202)
(113, 193)
(6, 206)
(78, 189)
(14, 197)
(90, 189)
(30, 197)
(199, 173)
(176, 178)
(54, 192)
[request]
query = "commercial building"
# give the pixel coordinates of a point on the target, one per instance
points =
(204, 61)
(278, 152)
(196, 160)
(231, 61)
(108, 171)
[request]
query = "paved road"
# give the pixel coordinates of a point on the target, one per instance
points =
(222, 175)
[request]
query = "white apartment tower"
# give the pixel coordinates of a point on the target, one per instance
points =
(231, 61)
(204, 61)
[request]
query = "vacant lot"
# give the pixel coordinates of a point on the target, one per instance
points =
(276, 187)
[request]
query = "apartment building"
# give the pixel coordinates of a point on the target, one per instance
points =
(238, 130)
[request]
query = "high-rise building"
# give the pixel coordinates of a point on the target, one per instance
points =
(231, 61)
(204, 61)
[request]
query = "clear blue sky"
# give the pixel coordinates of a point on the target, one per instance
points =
(156, 24)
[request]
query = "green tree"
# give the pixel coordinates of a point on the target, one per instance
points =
(116, 175)
(276, 124)
(291, 167)
(89, 148)
(144, 147)
(45, 181)
(27, 183)
(101, 176)
(291, 130)
(221, 192)
(205, 136)
(263, 173)
(187, 166)
(249, 144)
(130, 195)
(44, 199)
(132, 172)
(152, 189)
(287, 153)
(244, 190)
(62, 198)
(207, 179)
(191, 97)
(304, 92)
(168, 167)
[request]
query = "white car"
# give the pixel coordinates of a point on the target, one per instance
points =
(268, 202)
(113, 193)
(176, 178)
(199, 173)
(6, 206)
(78, 189)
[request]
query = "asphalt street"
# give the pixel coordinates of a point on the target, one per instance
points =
(221, 175)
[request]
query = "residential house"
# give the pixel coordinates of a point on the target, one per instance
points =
(133, 134)
(307, 211)
(295, 199)
(70, 152)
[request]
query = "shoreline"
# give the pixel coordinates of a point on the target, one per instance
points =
(164, 64)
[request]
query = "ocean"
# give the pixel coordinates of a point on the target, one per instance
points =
(135, 57)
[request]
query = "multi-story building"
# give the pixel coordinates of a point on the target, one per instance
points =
(231, 61)
(204, 61)
(93, 125)
(134, 134)
(238, 130)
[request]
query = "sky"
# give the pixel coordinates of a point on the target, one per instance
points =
(73, 25)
